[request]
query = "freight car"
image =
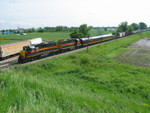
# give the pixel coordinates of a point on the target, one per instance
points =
(7, 50)
(123, 34)
(139, 31)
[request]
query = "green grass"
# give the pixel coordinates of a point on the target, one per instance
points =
(96, 32)
(81, 82)
(54, 36)
(45, 36)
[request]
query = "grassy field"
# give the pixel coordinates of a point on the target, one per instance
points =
(81, 82)
(45, 36)
(54, 36)
(96, 32)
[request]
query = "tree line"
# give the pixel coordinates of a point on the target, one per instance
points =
(42, 29)
(51, 29)
(82, 30)
(124, 27)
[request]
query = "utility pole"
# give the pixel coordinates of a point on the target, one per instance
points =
(88, 44)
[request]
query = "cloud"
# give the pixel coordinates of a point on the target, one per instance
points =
(33, 13)
(2, 21)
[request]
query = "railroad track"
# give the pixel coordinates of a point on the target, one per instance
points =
(6, 64)
(9, 62)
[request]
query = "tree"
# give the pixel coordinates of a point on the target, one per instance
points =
(73, 28)
(3, 31)
(130, 28)
(62, 29)
(46, 29)
(135, 26)
(84, 29)
(114, 33)
(40, 30)
(76, 34)
(123, 27)
(105, 28)
(142, 25)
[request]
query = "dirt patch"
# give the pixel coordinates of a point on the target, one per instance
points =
(142, 43)
(137, 54)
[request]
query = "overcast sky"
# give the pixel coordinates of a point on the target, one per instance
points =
(41, 13)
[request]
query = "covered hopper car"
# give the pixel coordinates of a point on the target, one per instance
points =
(7, 50)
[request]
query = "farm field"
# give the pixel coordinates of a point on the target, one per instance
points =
(53, 36)
(93, 82)
(45, 36)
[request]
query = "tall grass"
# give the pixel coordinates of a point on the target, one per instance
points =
(81, 82)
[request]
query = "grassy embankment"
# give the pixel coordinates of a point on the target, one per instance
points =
(54, 36)
(81, 82)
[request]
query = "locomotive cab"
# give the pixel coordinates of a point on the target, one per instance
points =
(23, 53)
(25, 50)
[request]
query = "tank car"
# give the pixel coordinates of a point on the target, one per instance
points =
(95, 39)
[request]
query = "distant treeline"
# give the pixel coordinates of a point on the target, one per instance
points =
(123, 27)
(51, 29)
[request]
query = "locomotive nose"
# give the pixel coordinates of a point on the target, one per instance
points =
(23, 53)
(22, 56)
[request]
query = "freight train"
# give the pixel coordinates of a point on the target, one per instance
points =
(8, 50)
(36, 51)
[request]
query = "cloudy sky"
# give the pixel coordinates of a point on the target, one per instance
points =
(41, 13)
